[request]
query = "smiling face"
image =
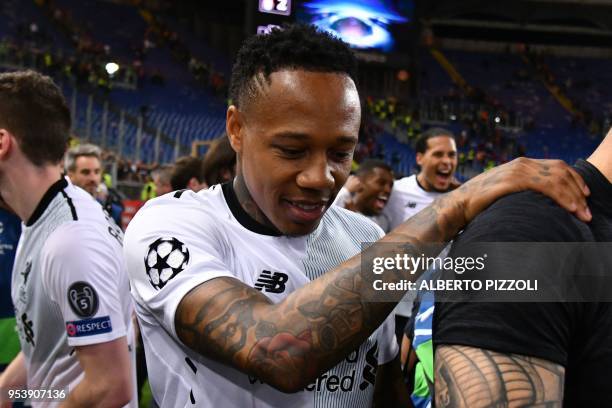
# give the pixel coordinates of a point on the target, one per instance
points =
(374, 190)
(295, 143)
(438, 163)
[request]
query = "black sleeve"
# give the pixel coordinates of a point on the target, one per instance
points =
(534, 329)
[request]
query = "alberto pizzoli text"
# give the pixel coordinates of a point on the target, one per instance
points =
(459, 285)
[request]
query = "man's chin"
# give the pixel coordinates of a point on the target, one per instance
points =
(293, 229)
(441, 187)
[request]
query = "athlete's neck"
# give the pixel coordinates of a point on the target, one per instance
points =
(422, 182)
(248, 204)
(602, 157)
(24, 185)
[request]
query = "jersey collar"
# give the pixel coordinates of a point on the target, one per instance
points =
(46, 200)
(242, 216)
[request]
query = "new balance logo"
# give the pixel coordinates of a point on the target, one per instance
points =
(271, 282)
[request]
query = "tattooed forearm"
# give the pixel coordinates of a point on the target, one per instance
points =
(288, 344)
(473, 377)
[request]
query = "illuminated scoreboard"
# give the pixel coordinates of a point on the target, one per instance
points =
(281, 7)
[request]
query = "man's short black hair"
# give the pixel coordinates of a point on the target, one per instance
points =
(421, 144)
(369, 165)
(295, 46)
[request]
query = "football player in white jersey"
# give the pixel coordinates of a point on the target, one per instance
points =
(251, 293)
(69, 284)
(374, 181)
(436, 156)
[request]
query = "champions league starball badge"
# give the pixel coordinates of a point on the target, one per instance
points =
(166, 258)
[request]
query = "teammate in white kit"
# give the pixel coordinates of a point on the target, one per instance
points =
(374, 181)
(436, 156)
(69, 287)
(249, 294)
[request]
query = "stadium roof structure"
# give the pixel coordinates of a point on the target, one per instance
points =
(559, 22)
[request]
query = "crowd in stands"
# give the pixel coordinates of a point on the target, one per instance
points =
(570, 86)
(203, 71)
(481, 142)
(479, 120)
(85, 61)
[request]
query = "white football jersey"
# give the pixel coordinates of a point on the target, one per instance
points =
(183, 239)
(69, 286)
(407, 198)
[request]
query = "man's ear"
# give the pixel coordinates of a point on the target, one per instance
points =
(419, 159)
(7, 143)
(234, 120)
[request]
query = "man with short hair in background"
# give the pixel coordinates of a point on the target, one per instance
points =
(375, 181)
(436, 157)
(161, 179)
(187, 173)
(69, 286)
(83, 165)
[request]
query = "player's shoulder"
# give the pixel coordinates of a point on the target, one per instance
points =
(358, 226)
(179, 212)
(405, 183)
(527, 216)
(75, 237)
(181, 206)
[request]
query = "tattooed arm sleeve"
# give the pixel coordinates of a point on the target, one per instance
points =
(474, 377)
(288, 344)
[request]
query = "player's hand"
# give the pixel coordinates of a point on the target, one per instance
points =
(553, 178)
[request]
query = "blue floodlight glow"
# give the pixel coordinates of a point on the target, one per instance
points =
(362, 24)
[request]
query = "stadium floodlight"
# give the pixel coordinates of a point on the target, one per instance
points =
(282, 7)
(267, 5)
(111, 68)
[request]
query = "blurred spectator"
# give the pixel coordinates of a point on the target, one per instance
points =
(161, 178)
(187, 174)
(84, 167)
(373, 183)
(219, 163)
(83, 164)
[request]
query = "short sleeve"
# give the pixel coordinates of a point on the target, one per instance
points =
(534, 329)
(169, 250)
(81, 273)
